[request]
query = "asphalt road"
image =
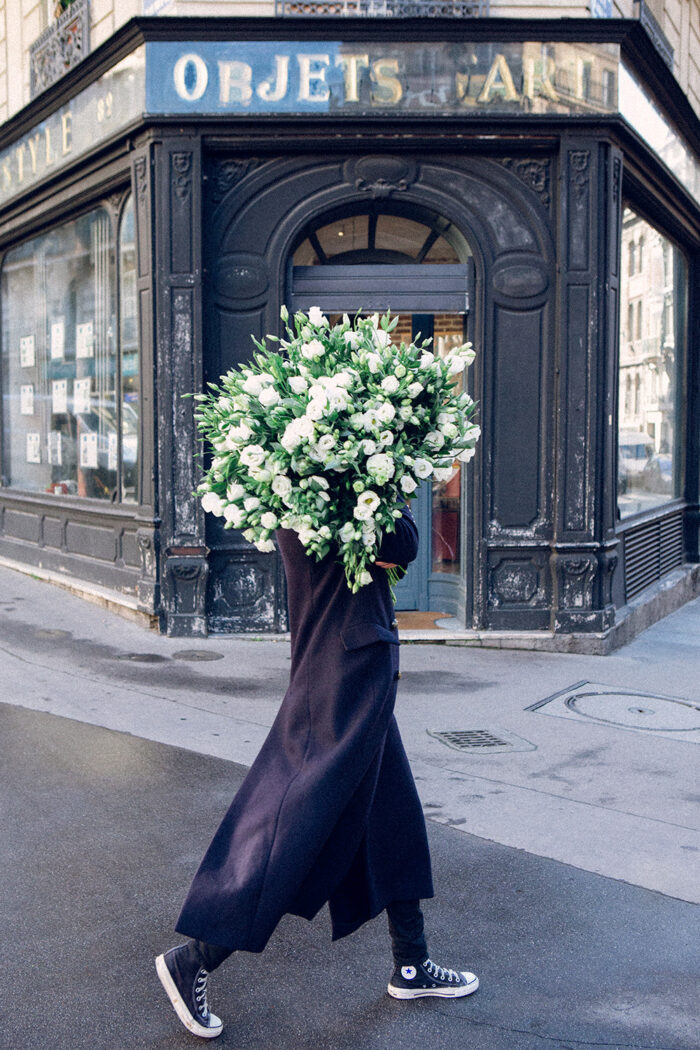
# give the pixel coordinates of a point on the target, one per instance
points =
(101, 832)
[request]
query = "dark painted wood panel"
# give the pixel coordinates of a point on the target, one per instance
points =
(515, 415)
(94, 541)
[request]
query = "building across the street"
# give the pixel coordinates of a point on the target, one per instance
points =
(531, 183)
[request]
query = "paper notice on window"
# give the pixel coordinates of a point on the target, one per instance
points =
(81, 395)
(112, 447)
(59, 396)
(84, 340)
(88, 451)
(27, 352)
(54, 447)
(58, 340)
(33, 448)
(26, 399)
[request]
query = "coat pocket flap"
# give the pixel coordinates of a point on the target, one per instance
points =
(360, 634)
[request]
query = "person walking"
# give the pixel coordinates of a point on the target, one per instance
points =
(329, 811)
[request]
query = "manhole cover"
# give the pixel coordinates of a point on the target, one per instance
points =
(626, 709)
(197, 654)
(481, 741)
(51, 632)
(143, 658)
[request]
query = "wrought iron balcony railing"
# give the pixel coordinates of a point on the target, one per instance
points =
(60, 47)
(382, 8)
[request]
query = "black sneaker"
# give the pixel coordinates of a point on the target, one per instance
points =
(185, 980)
(412, 982)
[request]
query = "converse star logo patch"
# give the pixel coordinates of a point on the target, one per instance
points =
(409, 972)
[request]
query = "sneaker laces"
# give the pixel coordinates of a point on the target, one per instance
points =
(441, 972)
(200, 993)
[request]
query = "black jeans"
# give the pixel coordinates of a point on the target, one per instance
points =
(405, 928)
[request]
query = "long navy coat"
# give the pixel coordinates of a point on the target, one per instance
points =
(329, 810)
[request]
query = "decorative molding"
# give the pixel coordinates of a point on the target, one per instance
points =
(616, 179)
(578, 162)
(225, 174)
(381, 176)
(60, 47)
(181, 164)
(535, 173)
(141, 172)
(382, 8)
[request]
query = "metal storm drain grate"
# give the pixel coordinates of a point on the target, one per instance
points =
(669, 716)
(481, 741)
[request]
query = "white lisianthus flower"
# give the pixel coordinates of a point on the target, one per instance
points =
(415, 389)
(212, 504)
(347, 532)
(253, 455)
(316, 409)
(390, 384)
(235, 515)
(426, 359)
(316, 317)
(255, 383)
(291, 437)
(405, 412)
(473, 431)
(386, 412)
(268, 520)
(306, 535)
(313, 350)
(251, 503)
(298, 384)
(422, 468)
(357, 420)
(408, 484)
(455, 365)
(268, 397)
(337, 401)
(382, 338)
(365, 578)
(238, 436)
(443, 473)
(466, 454)
(266, 546)
(326, 442)
(235, 491)
(351, 340)
(369, 447)
(260, 474)
(249, 535)
(400, 371)
(367, 503)
(381, 467)
(386, 437)
(371, 419)
(281, 485)
(343, 379)
(450, 430)
(435, 439)
(318, 392)
(373, 363)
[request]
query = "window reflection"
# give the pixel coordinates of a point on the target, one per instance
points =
(447, 495)
(652, 318)
(129, 352)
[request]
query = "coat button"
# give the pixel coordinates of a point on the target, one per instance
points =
(398, 674)
(394, 623)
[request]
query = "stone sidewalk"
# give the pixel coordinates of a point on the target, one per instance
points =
(566, 854)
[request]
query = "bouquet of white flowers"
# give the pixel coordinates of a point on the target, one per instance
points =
(331, 433)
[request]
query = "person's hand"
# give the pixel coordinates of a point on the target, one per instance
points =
(387, 564)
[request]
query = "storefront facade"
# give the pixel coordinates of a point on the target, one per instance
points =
(481, 179)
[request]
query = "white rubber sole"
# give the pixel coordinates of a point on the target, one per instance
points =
(180, 1007)
(441, 993)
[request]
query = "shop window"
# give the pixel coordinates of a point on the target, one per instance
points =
(129, 355)
(67, 367)
(650, 368)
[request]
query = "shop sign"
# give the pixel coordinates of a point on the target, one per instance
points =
(94, 115)
(322, 77)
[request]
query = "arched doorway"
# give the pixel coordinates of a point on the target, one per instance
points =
(385, 255)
